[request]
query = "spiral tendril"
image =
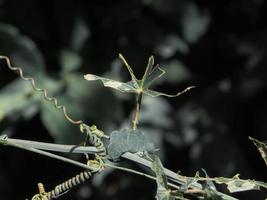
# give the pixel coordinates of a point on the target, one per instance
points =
(44, 91)
(69, 184)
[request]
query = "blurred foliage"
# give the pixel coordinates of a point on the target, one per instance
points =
(219, 46)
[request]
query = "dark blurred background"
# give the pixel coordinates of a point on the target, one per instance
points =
(218, 46)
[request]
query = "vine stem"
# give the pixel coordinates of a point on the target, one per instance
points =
(137, 110)
(28, 145)
(138, 173)
(11, 142)
(48, 154)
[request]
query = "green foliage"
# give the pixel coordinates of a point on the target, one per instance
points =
(21, 49)
(238, 185)
(234, 184)
(70, 89)
(193, 44)
(56, 123)
(162, 188)
(152, 73)
(163, 191)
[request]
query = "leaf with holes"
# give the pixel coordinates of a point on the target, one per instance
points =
(236, 184)
(152, 73)
(128, 140)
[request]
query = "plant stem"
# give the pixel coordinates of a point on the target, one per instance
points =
(139, 173)
(54, 147)
(51, 155)
(137, 110)
(28, 145)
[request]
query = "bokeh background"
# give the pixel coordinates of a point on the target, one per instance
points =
(218, 46)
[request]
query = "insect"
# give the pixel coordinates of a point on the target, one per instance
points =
(94, 136)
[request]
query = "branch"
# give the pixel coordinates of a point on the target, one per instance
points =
(54, 147)
(27, 144)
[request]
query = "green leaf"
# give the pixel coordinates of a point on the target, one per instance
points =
(239, 185)
(262, 147)
(22, 51)
(157, 167)
(81, 93)
(176, 72)
(137, 86)
(151, 75)
(163, 193)
(55, 122)
(195, 23)
(70, 61)
(170, 45)
(128, 140)
(16, 99)
(123, 87)
(80, 34)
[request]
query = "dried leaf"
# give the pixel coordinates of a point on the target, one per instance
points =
(262, 147)
(137, 86)
(239, 185)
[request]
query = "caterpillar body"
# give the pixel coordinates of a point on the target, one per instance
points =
(94, 137)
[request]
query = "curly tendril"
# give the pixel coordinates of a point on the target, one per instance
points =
(44, 91)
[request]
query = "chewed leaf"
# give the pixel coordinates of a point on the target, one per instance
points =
(152, 73)
(239, 185)
(153, 93)
(262, 147)
(128, 140)
(163, 193)
(149, 67)
(123, 87)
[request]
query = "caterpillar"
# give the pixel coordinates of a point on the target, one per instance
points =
(94, 136)
(44, 91)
